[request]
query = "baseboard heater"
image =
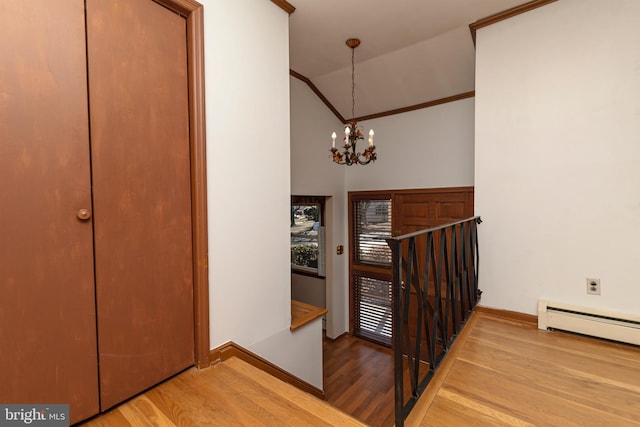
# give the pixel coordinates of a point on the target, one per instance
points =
(589, 321)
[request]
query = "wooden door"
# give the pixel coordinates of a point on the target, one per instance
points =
(137, 65)
(47, 307)
(417, 210)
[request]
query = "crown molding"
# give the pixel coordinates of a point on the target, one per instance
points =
(473, 27)
(317, 92)
(420, 106)
(284, 5)
(506, 14)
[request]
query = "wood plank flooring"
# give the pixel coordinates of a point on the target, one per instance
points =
(231, 393)
(500, 372)
(358, 379)
(509, 373)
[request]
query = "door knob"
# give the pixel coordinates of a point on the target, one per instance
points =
(84, 214)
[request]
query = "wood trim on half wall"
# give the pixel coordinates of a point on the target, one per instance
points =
(194, 15)
(231, 349)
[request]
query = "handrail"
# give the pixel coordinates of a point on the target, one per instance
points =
(432, 229)
(434, 291)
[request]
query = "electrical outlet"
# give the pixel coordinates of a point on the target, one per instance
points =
(593, 286)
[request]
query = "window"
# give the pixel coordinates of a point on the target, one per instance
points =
(307, 235)
(373, 309)
(372, 228)
(370, 264)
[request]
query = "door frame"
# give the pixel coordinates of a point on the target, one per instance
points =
(193, 12)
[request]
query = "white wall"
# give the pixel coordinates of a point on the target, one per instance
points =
(247, 102)
(302, 355)
(427, 148)
(310, 290)
(557, 155)
(314, 174)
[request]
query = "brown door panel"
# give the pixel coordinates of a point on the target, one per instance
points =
(418, 211)
(47, 308)
(142, 200)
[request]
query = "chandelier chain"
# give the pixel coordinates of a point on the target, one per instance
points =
(353, 84)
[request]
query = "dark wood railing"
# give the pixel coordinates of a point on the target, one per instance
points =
(435, 290)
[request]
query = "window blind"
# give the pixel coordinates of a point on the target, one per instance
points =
(373, 309)
(372, 228)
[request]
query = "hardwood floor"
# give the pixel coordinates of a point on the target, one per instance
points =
(358, 379)
(506, 372)
(500, 372)
(231, 393)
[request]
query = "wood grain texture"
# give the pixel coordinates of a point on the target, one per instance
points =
(507, 372)
(302, 313)
(193, 12)
(197, 142)
(231, 393)
(47, 304)
(500, 372)
(358, 379)
(231, 349)
(141, 169)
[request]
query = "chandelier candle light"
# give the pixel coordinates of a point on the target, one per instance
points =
(352, 133)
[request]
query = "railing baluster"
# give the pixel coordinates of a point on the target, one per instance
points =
(476, 265)
(454, 265)
(412, 357)
(442, 273)
(397, 328)
(433, 338)
(428, 309)
(465, 297)
(453, 273)
(469, 268)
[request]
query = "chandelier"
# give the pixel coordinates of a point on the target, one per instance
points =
(352, 132)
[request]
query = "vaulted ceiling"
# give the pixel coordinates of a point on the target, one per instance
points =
(411, 52)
